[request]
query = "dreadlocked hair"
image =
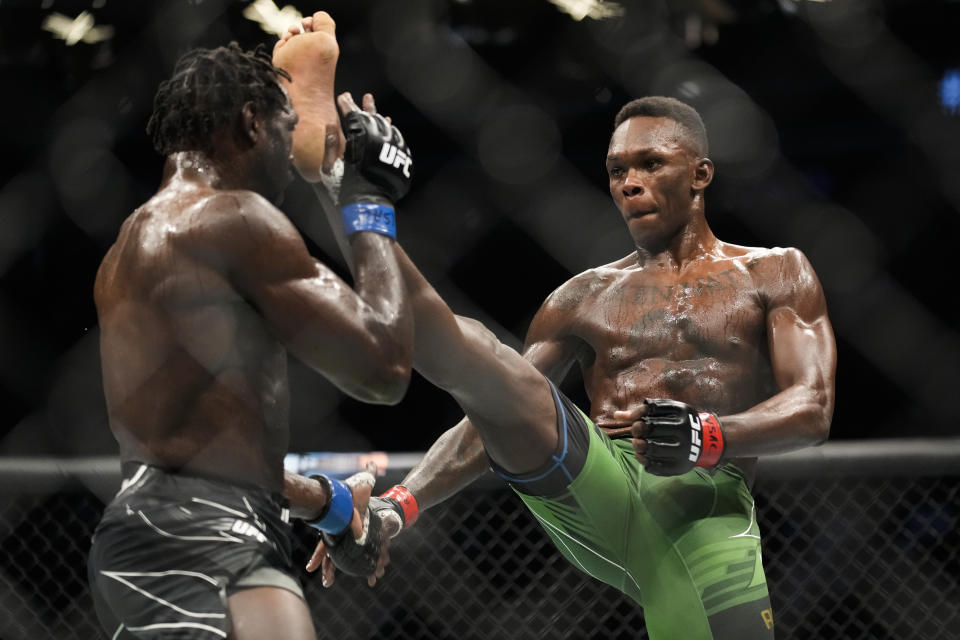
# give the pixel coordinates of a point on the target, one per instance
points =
(207, 90)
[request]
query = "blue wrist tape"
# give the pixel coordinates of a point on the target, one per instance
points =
(340, 512)
(369, 216)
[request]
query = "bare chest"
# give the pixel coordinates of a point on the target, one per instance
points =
(716, 315)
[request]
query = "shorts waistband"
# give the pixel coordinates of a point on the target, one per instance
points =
(135, 472)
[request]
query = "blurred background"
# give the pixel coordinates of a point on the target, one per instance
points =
(833, 126)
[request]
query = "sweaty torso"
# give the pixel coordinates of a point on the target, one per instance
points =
(193, 380)
(696, 334)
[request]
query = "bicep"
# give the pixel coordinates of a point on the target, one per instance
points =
(309, 309)
(801, 340)
(314, 313)
(549, 346)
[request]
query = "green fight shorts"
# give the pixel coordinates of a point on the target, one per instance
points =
(686, 548)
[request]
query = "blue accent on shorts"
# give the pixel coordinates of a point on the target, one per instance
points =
(568, 459)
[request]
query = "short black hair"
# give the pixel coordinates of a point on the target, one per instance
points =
(663, 107)
(207, 90)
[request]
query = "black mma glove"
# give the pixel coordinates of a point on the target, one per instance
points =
(360, 559)
(398, 503)
(680, 438)
(351, 557)
(377, 171)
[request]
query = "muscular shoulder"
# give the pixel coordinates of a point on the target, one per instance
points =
(224, 214)
(561, 313)
(245, 226)
(770, 265)
(783, 275)
(583, 288)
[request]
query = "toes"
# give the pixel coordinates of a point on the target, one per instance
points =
(323, 22)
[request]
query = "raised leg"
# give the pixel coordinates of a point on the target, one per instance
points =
(508, 401)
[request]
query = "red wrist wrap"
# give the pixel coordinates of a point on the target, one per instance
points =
(407, 502)
(712, 448)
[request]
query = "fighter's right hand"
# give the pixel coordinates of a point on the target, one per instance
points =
(388, 515)
(396, 505)
(378, 168)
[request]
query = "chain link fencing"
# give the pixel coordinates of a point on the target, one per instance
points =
(848, 554)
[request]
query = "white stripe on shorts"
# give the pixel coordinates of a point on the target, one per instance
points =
(180, 625)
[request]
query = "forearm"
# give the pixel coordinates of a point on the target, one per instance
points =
(378, 282)
(453, 462)
(376, 272)
(308, 498)
(797, 417)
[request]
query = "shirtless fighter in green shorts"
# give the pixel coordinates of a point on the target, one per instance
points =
(649, 494)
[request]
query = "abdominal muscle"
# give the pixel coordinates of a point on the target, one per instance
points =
(706, 384)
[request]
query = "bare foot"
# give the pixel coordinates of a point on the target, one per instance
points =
(309, 53)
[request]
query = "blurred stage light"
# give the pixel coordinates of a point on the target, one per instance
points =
(271, 18)
(596, 9)
(950, 91)
(73, 30)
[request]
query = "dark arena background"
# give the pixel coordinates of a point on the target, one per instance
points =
(834, 126)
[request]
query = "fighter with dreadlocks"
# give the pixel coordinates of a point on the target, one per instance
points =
(206, 289)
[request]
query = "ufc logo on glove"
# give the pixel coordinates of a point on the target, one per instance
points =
(674, 430)
(390, 155)
(694, 438)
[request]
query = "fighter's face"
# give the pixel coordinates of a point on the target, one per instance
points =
(275, 158)
(651, 169)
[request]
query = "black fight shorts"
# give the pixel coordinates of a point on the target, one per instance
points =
(171, 548)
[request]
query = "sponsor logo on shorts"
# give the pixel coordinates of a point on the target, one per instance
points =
(394, 157)
(244, 528)
(767, 615)
(695, 441)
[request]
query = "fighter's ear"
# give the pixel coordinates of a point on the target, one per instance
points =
(249, 122)
(702, 174)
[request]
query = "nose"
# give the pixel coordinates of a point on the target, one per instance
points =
(632, 185)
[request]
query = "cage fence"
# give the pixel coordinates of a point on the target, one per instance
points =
(857, 544)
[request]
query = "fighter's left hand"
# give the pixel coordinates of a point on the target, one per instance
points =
(628, 423)
(323, 560)
(672, 438)
(367, 553)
